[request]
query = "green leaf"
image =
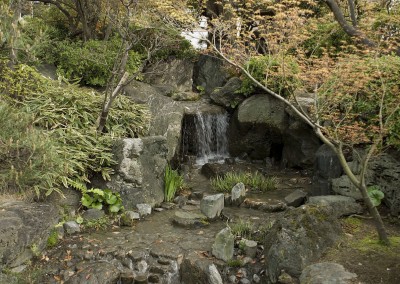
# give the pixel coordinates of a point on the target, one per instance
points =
(79, 220)
(97, 205)
(115, 208)
(376, 195)
(86, 200)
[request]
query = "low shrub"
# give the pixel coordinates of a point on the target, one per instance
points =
(66, 115)
(91, 62)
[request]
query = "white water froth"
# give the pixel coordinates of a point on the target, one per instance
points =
(212, 142)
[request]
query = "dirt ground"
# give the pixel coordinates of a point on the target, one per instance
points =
(359, 251)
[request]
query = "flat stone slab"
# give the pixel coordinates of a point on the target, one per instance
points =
(341, 205)
(327, 273)
(189, 219)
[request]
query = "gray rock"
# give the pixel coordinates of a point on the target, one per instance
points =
(140, 174)
(189, 219)
(214, 276)
(209, 73)
(345, 187)
(256, 278)
(296, 198)
(223, 245)
(341, 205)
(326, 168)
(196, 269)
(327, 273)
(299, 144)
(250, 248)
(238, 194)
(244, 281)
(299, 238)
(227, 96)
(93, 214)
(212, 205)
(386, 174)
(71, 227)
(175, 73)
(24, 226)
(100, 273)
(143, 209)
(128, 218)
(257, 127)
(327, 164)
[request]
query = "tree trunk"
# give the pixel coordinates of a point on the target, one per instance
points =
(350, 30)
(352, 12)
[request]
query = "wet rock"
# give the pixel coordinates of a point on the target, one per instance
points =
(341, 205)
(227, 96)
(128, 218)
(223, 245)
(143, 209)
(297, 239)
(249, 247)
(212, 170)
(326, 273)
(180, 200)
(71, 227)
(197, 195)
(238, 194)
(296, 198)
(345, 187)
(127, 277)
(93, 214)
(244, 281)
(189, 219)
(212, 205)
(168, 205)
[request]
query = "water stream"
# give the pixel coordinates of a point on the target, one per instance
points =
(212, 141)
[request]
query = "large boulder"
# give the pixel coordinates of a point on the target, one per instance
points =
(257, 125)
(299, 238)
(174, 75)
(341, 205)
(24, 229)
(326, 167)
(228, 96)
(209, 74)
(299, 144)
(166, 114)
(386, 174)
(139, 176)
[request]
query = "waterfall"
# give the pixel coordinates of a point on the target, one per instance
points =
(211, 132)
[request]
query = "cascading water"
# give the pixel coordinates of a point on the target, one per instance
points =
(211, 132)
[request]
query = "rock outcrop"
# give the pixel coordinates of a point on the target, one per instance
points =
(300, 237)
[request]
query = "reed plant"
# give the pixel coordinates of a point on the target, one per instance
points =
(173, 182)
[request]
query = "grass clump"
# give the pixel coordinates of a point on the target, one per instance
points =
(173, 182)
(52, 240)
(254, 181)
(242, 229)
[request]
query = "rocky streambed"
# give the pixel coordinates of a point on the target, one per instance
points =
(268, 241)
